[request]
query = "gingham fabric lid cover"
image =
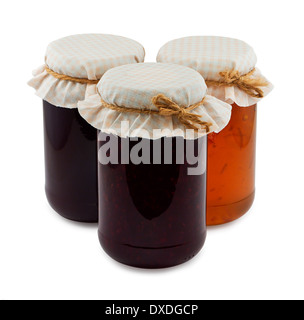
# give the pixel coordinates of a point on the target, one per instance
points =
(86, 56)
(212, 55)
(134, 86)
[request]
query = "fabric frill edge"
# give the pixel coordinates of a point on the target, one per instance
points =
(130, 125)
(233, 95)
(60, 93)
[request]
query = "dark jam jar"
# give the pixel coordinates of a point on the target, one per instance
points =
(70, 164)
(153, 121)
(73, 67)
(152, 215)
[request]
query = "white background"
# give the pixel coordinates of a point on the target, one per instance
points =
(261, 256)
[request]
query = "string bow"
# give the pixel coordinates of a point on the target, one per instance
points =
(167, 107)
(233, 78)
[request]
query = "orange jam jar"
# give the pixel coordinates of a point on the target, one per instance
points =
(231, 167)
(229, 68)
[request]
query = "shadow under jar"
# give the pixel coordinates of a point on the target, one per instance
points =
(70, 163)
(231, 167)
(152, 215)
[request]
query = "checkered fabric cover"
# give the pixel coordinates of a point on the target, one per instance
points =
(134, 86)
(86, 56)
(211, 55)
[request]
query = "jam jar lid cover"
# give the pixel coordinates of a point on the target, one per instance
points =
(125, 92)
(220, 60)
(84, 57)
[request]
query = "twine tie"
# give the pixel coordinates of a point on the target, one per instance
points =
(233, 78)
(68, 78)
(168, 108)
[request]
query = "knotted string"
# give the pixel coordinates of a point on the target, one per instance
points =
(232, 78)
(68, 78)
(168, 108)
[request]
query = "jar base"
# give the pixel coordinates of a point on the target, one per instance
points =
(219, 215)
(151, 258)
(78, 212)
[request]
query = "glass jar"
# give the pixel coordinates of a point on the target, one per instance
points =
(153, 121)
(229, 68)
(231, 167)
(73, 67)
(152, 215)
(70, 163)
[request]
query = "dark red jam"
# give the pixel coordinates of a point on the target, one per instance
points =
(70, 164)
(151, 215)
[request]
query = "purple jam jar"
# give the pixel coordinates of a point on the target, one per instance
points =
(152, 215)
(70, 146)
(73, 67)
(153, 120)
